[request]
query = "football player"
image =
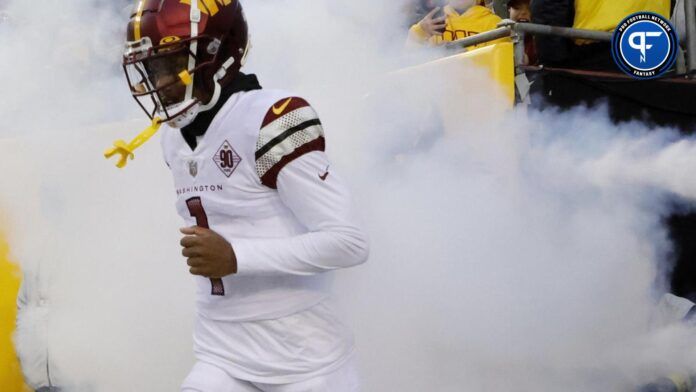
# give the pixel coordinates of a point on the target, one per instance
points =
(267, 215)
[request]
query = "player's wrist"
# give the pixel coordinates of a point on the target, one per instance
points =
(232, 260)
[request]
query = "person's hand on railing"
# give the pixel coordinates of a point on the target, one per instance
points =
(432, 25)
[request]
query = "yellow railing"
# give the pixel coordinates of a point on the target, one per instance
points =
(497, 61)
(10, 374)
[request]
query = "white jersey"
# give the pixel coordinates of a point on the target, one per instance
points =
(259, 177)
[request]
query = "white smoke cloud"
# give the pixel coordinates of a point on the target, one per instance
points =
(59, 64)
(510, 251)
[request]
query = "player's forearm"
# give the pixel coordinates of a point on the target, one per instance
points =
(306, 254)
(320, 202)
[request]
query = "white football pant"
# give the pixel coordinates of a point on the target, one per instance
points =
(205, 377)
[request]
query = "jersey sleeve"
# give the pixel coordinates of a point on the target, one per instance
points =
(315, 194)
(290, 129)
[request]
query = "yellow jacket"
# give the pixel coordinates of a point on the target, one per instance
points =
(604, 15)
(475, 20)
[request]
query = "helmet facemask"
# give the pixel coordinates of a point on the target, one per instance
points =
(167, 80)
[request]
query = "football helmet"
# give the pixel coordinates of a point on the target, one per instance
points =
(180, 53)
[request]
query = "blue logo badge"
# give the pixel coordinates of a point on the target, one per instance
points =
(645, 45)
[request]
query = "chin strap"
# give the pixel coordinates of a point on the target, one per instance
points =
(125, 151)
(218, 89)
(187, 78)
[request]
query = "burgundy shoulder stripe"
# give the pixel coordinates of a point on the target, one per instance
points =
(282, 107)
(271, 177)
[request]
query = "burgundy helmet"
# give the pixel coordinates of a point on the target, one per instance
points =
(179, 54)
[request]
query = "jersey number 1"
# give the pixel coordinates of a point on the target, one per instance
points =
(195, 207)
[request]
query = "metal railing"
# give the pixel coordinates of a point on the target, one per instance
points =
(566, 32)
(509, 28)
(690, 13)
(481, 38)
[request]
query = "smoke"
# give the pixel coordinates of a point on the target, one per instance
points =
(60, 64)
(510, 250)
(525, 268)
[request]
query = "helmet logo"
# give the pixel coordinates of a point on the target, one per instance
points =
(209, 7)
(170, 39)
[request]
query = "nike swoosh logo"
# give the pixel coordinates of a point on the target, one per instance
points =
(323, 176)
(281, 109)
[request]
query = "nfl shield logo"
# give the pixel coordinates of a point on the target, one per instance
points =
(193, 168)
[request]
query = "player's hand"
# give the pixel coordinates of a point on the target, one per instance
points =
(431, 25)
(207, 253)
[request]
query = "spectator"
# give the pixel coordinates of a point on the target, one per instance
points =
(38, 366)
(459, 19)
(679, 21)
(500, 8)
(520, 12)
(421, 8)
(602, 15)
